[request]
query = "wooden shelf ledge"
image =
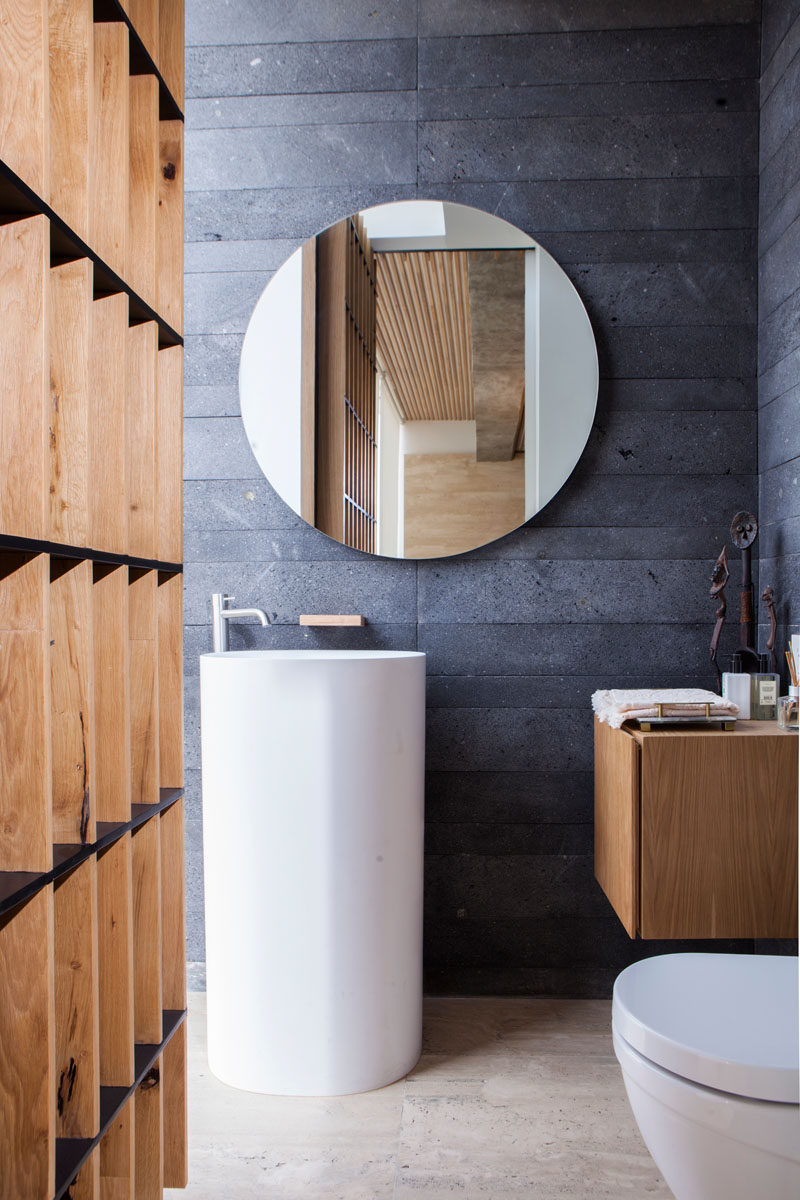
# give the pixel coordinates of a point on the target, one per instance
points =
(72, 1153)
(18, 886)
(18, 200)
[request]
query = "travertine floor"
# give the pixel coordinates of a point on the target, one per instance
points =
(511, 1098)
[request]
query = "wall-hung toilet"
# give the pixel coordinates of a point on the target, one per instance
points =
(708, 1045)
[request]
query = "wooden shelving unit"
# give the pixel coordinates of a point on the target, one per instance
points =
(92, 974)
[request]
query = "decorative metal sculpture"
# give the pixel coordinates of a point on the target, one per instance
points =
(719, 577)
(744, 531)
(768, 598)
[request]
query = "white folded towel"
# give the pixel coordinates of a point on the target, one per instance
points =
(628, 704)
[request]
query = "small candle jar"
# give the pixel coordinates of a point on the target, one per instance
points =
(789, 710)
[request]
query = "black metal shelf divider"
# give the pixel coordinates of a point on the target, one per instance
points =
(18, 886)
(60, 550)
(72, 1153)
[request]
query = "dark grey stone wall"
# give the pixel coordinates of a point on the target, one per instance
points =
(779, 310)
(624, 137)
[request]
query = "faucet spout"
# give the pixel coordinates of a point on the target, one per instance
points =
(221, 614)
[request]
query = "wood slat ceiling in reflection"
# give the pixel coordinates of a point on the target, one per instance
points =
(423, 333)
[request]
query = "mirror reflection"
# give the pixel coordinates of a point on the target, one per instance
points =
(418, 379)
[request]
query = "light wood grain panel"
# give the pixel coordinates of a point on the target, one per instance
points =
(68, 426)
(171, 47)
(146, 846)
(25, 92)
(169, 599)
(719, 836)
(173, 1082)
(115, 956)
(331, 379)
(77, 1000)
(72, 700)
(616, 821)
(423, 333)
(111, 693)
(173, 916)
(143, 194)
(454, 503)
(86, 1185)
(144, 687)
(26, 780)
(149, 1111)
(169, 454)
(140, 439)
(108, 206)
(27, 1051)
(170, 224)
(144, 18)
(118, 1157)
(71, 36)
(24, 285)
(308, 378)
(107, 412)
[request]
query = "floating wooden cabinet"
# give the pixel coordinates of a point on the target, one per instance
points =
(92, 916)
(696, 831)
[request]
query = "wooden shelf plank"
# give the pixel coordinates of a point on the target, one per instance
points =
(107, 413)
(108, 205)
(111, 693)
(147, 991)
(171, 47)
(76, 1003)
(115, 941)
(149, 1119)
(143, 194)
(170, 224)
(71, 40)
(72, 701)
(71, 289)
(175, 1142)
(24, 267)
(26, 779)
(140, 439)
(25, 92)
(27, 1051)
(169, 599)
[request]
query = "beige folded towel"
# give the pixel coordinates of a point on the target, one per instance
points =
(628, 704)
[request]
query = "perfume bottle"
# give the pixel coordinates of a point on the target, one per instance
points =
(764, 691)
(736, 687)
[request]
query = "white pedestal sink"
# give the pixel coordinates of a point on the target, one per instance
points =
(313, 767)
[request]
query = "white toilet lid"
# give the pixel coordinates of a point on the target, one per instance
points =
(728, 1021)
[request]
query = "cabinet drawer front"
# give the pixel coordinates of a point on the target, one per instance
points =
(719, 837)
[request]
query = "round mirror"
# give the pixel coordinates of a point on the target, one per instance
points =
(418, 379)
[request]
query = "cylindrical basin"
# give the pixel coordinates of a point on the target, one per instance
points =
(313, 777)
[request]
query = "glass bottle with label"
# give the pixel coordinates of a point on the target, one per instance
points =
(764, 692)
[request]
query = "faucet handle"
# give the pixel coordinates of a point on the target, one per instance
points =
(227, 598)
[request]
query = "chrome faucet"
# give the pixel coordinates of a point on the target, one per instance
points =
(220, 615)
